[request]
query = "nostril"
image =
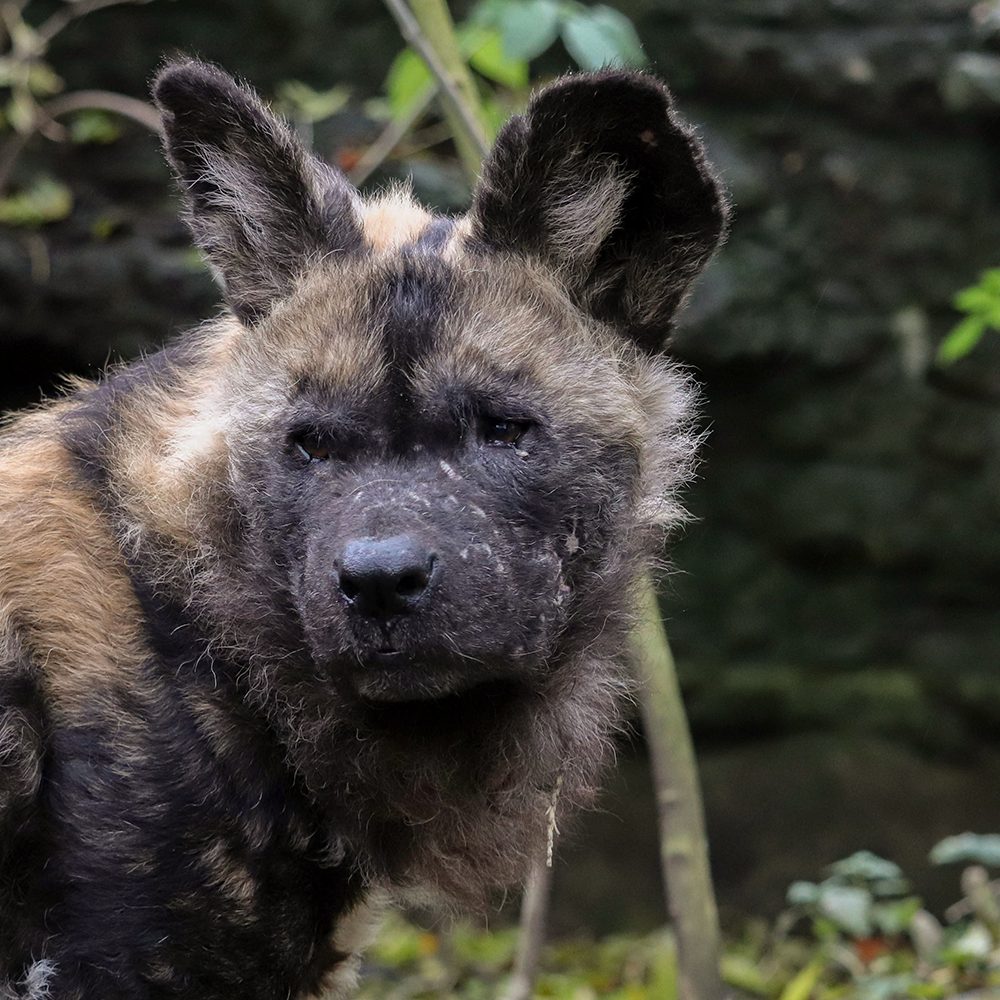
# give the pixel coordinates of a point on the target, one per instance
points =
(348, 587)
(412, 584)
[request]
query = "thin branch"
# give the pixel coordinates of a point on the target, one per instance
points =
(687, 877)
(534, 916)
(380, 150)
(464, 118)
(104, 100)
(10, 150)
(10, 18)
(78, 100)
(51, 27)
(427, 137)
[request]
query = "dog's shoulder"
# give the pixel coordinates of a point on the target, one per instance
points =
(65, 599)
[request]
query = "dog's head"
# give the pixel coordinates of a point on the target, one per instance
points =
(443, 437)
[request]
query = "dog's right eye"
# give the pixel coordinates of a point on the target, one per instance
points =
(502, 433)
(310, 447)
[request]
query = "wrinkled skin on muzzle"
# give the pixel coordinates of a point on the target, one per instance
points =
(469, 624)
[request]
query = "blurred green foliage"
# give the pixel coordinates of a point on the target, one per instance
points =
(32, 98)
(858, 934)
(43, 200)
(499, 40)
(594, 36)
(472, 964)
(981, 305)
(968, 848)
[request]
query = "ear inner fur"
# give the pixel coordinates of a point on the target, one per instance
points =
(259, 205)
(602, 181)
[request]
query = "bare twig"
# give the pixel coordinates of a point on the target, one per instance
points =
(377, 153)
(10, 150)
(104, 100)
(10, 19)
(683, 844)
(534, 916)
(470, 136)
(51, 27)
(79, 100)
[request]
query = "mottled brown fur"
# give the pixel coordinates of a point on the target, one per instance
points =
(63, 591)
(198, 714)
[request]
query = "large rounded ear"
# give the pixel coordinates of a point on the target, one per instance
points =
(258, 204)
(605, 185)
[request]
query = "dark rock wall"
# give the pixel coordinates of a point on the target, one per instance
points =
(845, 571)
(851, 495)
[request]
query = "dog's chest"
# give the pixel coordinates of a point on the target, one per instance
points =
(181, 870)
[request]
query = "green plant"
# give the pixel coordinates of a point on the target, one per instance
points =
(860, 933)
(981, 305)
(32, 100)
(594, 36)
(863, 899)
(496, 44)
(857, 934)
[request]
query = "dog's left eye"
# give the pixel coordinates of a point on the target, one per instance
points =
(502, 433)
(310, 447)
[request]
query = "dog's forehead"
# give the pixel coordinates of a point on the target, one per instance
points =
(422, 303)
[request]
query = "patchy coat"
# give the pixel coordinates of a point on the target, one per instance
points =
(318, 605)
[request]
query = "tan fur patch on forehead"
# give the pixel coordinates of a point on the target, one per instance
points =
(322, 334)
(393, 219)
(515, 320)
(455, 249)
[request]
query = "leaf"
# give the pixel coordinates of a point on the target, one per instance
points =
(977, 299)
(20, 112)
(600, 36)
(488, 12)
(865, 866)
(802, 894)
(848, 907)
(801, 987)
(886, 987)
(626, 38)
(44, 201)
(43, 81)
(975, 942)
(308, 105)
(485, 52)
(407, 82)
(956, 345)
(895, 917)
(883, 887)
(967, 848)
(528, 27)
(94, 126)
(745, 974)
(989, 282)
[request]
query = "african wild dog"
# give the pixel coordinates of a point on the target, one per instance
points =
(315, 607)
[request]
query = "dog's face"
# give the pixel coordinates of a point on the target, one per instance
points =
(443, 466)
(444, 438)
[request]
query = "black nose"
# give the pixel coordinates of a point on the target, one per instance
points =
(382, 577)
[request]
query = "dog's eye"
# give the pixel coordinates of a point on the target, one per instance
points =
(310, 447)
(502, 433)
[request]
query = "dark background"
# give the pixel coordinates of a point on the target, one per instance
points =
(835, 609)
